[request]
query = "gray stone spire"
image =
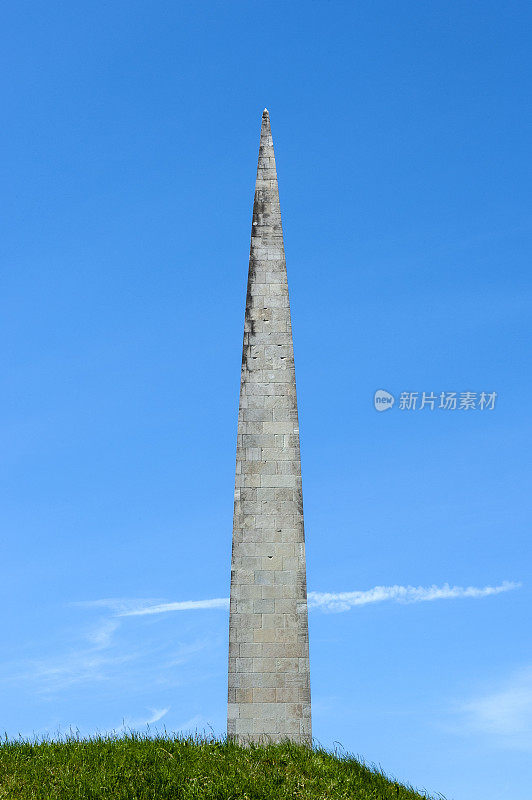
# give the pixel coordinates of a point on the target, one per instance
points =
(269, 680)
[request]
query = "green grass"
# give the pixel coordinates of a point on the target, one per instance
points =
(139, 767)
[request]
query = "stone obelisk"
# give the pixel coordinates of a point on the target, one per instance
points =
(269, 679)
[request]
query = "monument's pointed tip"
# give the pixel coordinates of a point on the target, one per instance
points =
(265, 113)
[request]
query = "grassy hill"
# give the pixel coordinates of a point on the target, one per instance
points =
(137, 767)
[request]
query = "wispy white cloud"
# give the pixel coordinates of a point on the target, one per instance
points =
(103, 658)
(101, 635)
(504, 714)
(196, 723)
(92, 662)
(156, 715)
(119, 605)
(344, 601)
(132, 724)
(68, 669)
(325, 601)
(184, 605)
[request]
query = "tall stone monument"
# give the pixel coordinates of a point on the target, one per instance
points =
(269, 679)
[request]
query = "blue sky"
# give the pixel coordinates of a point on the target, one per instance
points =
(129, 144)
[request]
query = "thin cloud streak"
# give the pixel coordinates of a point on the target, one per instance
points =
(120, 605)
(344, 601)
(102, 635)
(331, 601)
(134, 724)
(71, 669)
(185, 605)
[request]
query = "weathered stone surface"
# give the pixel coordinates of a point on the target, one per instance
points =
(269, 679)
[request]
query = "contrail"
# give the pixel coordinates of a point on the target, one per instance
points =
(341, 601)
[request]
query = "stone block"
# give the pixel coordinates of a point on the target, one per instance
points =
(266, 680)
(244, 726)
(264, 635)
(285, 649)
(294, 710)
(264, 606)
(304, 696)
(250, 649)
(250, 591)
(288, 467)
(264, 577)
(284, 577)
(271, 563)
(284, 494)
(264, 664)
(263, 726)
(276, 454)
(244, 665)
(264, 695)
(283, 427)
(248, 493)
(287, 636)
(271, 592)
(287, 695)
(244, 695)
(247, 567)
(292, 727)
(286, 664)
(258, 467)
(277, 507)
(244, 606)
(274, 621)
(296, 679)
(248, 710)
(265, 494)
(290, 563)
(284, 606)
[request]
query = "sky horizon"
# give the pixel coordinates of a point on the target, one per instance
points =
(130, 147)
